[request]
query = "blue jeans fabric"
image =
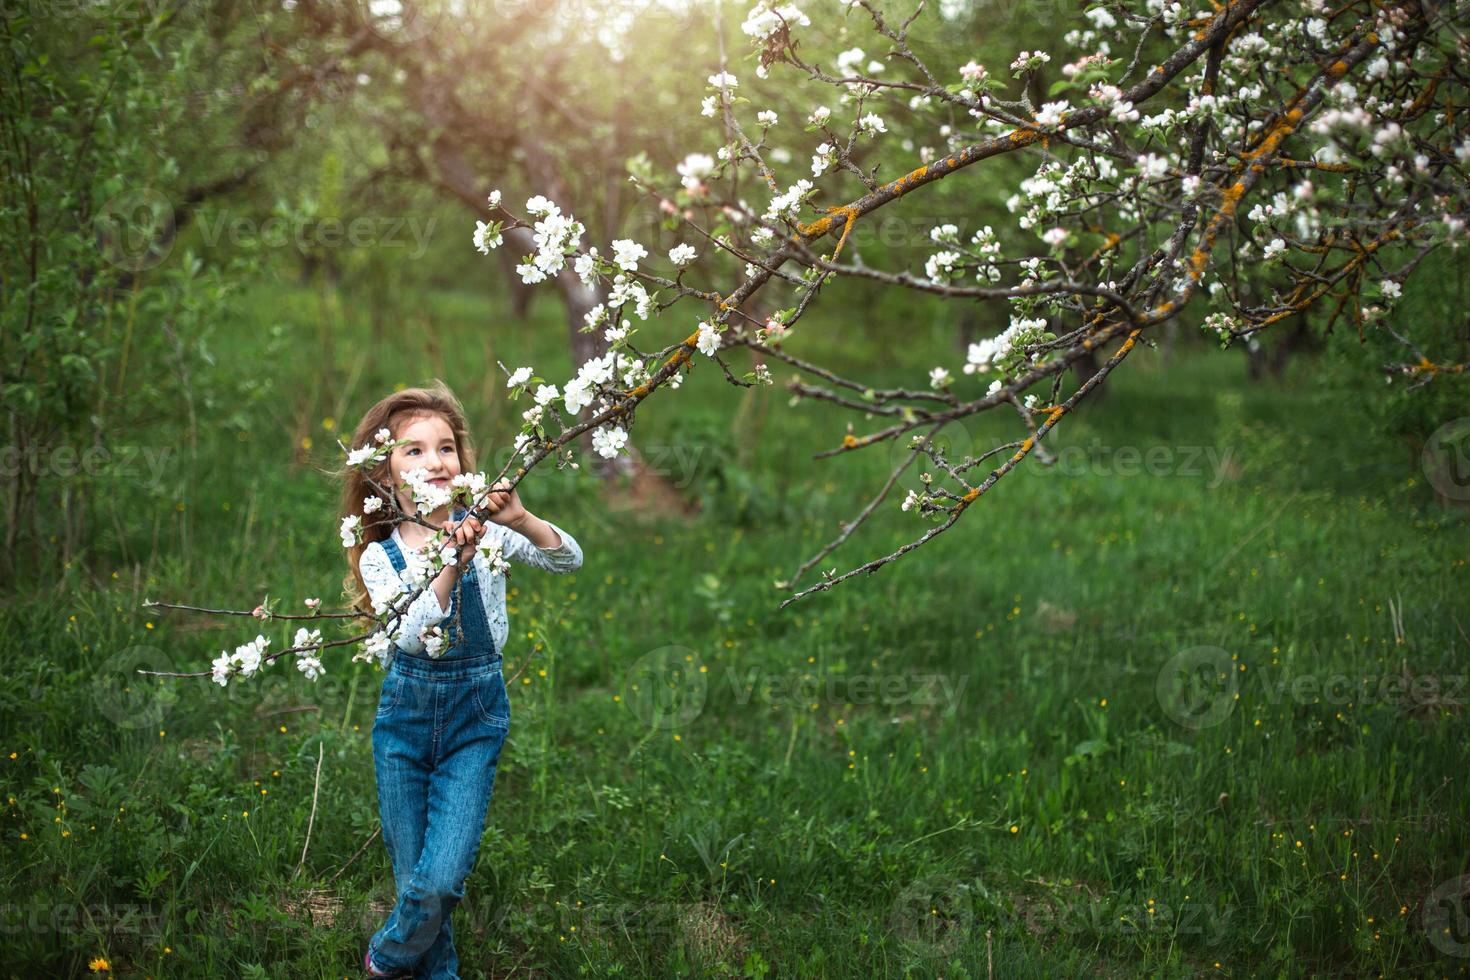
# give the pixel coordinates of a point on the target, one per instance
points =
(437, 738)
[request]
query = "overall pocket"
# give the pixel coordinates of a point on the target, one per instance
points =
(492, 704)
(391, 683)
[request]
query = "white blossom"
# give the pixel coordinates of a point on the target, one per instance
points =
(786, 205)
(709, 338)
(940, 266)
(1051, 113)
(578, 395)
(847, 59)
(541, 207)
(484, 240)
(626, 254)
(607, 441)
(586, 266)
(822, 159)
(1024, 59)
(351, 530)
(694, 169)
(310, 665)
(361, 455)
(765, 18)
(1151, 165)
(247, 656)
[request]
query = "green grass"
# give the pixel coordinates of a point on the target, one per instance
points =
(958, 764)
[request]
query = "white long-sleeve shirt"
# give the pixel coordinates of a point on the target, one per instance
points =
(383, 582)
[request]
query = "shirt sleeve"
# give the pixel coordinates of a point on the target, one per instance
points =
(383, 584)
(564, 558)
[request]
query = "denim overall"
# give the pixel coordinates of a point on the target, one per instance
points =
(436, 741)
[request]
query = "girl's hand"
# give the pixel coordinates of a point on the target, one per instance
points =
(466, 534)
(504, 506)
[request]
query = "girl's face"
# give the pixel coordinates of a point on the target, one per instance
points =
(430, 446)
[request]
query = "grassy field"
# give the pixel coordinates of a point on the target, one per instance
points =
(972, 763)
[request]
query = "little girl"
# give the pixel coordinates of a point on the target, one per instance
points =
(443, 713)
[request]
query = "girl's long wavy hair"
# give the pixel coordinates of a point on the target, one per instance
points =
(392, 413)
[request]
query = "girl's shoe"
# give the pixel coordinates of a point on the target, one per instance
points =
(372, 971)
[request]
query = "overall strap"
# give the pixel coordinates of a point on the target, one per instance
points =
(394, 554)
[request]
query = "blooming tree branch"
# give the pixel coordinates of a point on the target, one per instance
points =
(1364, 90)
(1316, 144)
